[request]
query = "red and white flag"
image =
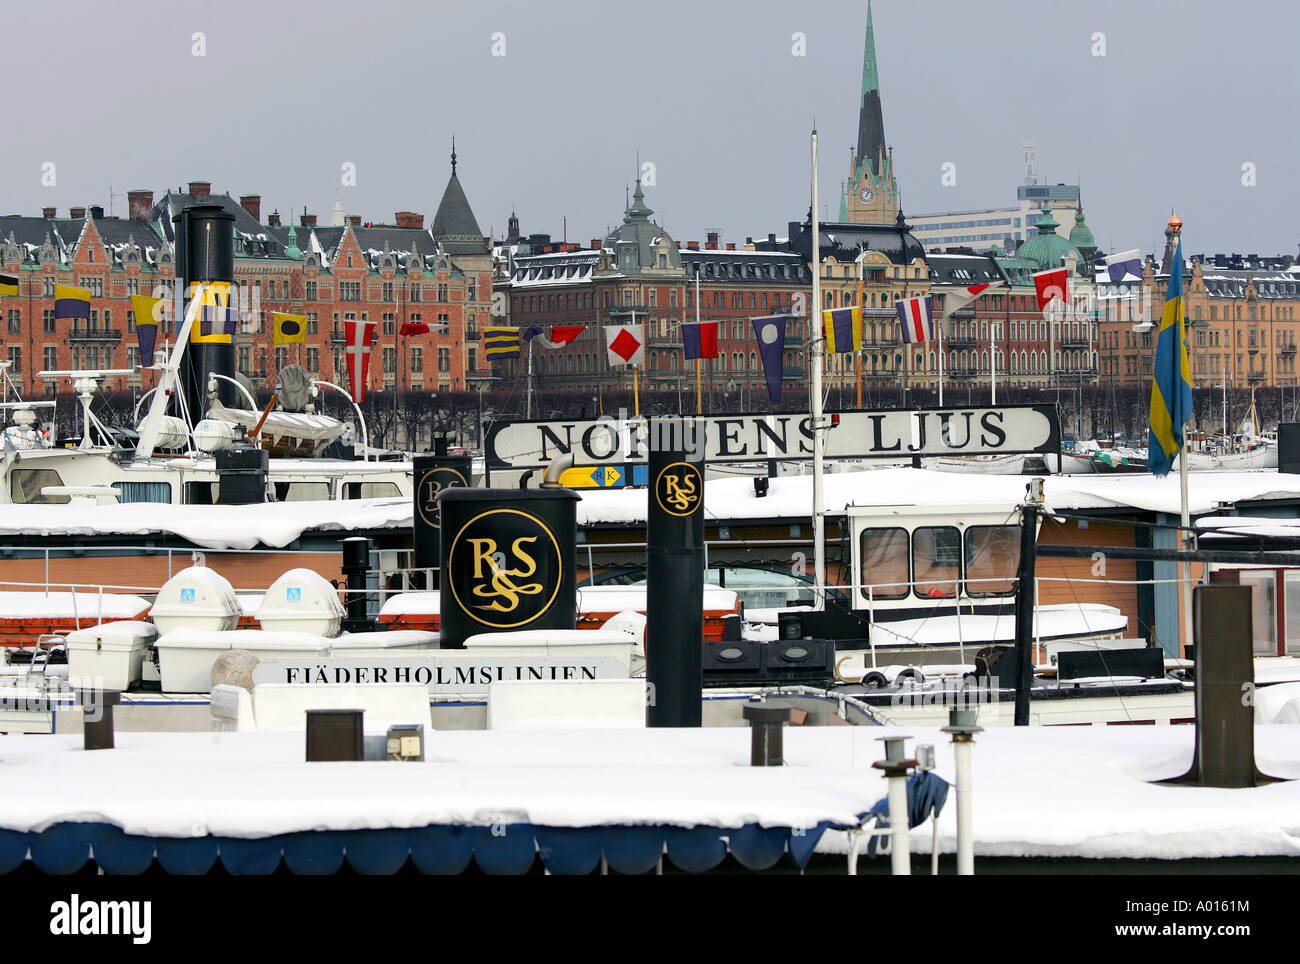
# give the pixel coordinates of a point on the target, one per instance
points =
(916, 316)
(625, 345)
(360, 336)
(1052, 284)
(955, 299)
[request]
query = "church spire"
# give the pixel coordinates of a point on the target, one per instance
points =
(871, 125)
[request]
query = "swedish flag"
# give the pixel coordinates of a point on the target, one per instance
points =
(8, 285)
(1171, 386)
(502, 342)
(289, 329)
(71, 302)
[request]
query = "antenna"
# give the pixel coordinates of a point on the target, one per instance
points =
(1029, 149)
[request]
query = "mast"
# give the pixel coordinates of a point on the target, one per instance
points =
(815, 339)
(529, 393)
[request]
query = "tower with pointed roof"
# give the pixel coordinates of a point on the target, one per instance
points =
(454, 225)
(872, 193)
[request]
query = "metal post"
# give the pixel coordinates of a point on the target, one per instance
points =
(961, 724)
(815, 340)
(1025, 606)
(896, 770)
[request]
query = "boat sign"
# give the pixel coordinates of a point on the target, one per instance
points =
(891, 433)
(442, 671)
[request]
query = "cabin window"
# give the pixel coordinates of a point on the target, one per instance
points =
(25, 487)
(302, 491)
(884, 563)
(936, 561)
(992, 560)
(144, 492)
(1263, 584)
(370, 490)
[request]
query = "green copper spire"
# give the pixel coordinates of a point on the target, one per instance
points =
(844, 204)
(292, 250)
(870, 80)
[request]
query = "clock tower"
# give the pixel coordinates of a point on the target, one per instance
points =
(872, 190)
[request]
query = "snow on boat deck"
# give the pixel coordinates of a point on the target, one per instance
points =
(1037, 791)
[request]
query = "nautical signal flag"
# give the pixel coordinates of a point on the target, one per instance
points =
(501, 342)
(1171, 383)
(843, 330)
(8, 285)
(413, 328)
(917, 318)
(955, 299)
(1052, 284)
(700, 339)
(70, 302)
(360, 336)
(624, 345)
(770, 334)
(1123, 265)
(289, 329)
(148, 317)
(560, 336)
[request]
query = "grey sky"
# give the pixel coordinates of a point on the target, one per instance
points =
(708, 91)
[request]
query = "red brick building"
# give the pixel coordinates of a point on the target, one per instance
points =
(385, 273)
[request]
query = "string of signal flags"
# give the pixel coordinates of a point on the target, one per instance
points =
(841, 329)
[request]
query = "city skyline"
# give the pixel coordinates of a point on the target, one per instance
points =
(720, 105)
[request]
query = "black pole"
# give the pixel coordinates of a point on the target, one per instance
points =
(205, 255)
(356, 564)
(675, 573)
(1025, 610)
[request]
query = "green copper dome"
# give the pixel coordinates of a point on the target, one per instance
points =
(1081, 234)
(1047, 249)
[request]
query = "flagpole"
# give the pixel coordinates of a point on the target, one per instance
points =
(942, 319)
(636, 393)
(993, 370)
(529, 412)
(699, 380)
(862, 320)
(816, 341)
(1184, 574)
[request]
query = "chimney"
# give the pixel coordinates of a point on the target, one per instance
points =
(48, 213)
(252, 203)
(731, 246)
(354, 220)
(97, 212)
(678, 243)
(771, 238)
(409, 219)
(76, 213)
(139, 204)
(200, 188)
(308, 221)
(597, 244)
(273, 219)
(712, 241)
(692, 245)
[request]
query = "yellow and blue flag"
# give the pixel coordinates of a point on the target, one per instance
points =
(1171, 387)
(843, 330)
(148, 313)
(8, 284)
(501, 342)
(70, 302)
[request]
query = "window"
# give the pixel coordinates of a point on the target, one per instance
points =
(936, 561)
(884, 563)
(414, 293)
(417, 360)
(132, 286)
(311, 291)
(245, 361)
(390, 359)
(313, 359)
(15, 321)
(25, 487)
(444, 359)
(349, 290)
(311, 323)
(52, 358)
(992, 553)
(442, 292)
(15, 360)
(390, 323)
(388, 291)
(473, 359)
(47, 321)
(281, 358)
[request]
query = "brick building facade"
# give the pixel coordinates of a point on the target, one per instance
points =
(385, 273)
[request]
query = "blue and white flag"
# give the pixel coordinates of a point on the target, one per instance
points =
(1119, 266)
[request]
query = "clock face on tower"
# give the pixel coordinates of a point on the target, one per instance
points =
(867, 195)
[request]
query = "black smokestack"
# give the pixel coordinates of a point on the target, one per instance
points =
(205, 255)
(675, 573)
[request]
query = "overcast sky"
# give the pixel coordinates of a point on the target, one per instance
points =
(285, 94)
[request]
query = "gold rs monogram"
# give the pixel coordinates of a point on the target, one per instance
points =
(680, 492)
(502, 588)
